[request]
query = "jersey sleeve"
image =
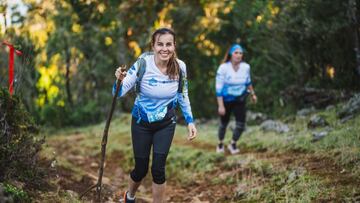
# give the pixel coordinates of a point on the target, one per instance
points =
(183, 98)
(220, 79)
(128, 82)
(248, 79)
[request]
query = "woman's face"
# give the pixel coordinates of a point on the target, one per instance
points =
(236, 56)
(164, 46)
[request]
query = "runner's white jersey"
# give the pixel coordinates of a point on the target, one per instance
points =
(230, 83)
(158, 92)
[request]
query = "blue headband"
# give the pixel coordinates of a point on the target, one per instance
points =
(235, 47)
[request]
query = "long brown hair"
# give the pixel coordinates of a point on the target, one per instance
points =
(173, 67)
(227, 56)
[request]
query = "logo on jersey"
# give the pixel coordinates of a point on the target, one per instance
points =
(153, 82)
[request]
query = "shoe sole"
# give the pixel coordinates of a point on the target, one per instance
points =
(220, 150)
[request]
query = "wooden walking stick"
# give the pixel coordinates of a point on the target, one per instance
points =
(98, 185)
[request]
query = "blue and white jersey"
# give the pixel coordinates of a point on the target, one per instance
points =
(158, 92)
(230, 83)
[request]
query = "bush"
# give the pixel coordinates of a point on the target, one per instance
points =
(60, 116)
(88, 113)
(18, 195)
(53, 115)
(19, 145)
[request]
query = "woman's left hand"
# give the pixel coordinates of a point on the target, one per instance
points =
(192, 132)
(254, 98)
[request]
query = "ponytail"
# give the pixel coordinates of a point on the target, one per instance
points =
(173, 67)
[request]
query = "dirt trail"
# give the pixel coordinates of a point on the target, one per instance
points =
(199, 191)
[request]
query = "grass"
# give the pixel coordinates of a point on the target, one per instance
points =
(305, 188)
(258, 180)
(59, 196)
(17, 194)
(185, 163)
(343, 140)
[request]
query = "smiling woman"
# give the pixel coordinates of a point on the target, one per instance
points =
(154, 119)
(164, 52)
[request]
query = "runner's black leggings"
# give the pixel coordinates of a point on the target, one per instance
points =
(157, 135)
(239, 110)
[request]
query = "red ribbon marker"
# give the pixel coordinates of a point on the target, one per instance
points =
(11, 64)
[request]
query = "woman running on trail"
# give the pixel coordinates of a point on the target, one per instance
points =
(160, 81)
(233, 84)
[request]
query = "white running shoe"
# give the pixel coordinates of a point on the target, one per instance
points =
(233, 149)
(220, 148)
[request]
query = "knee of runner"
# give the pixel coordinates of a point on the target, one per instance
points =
(158, 168)
(158, 175)
(239, 126)
(140, 170)
(222, 126)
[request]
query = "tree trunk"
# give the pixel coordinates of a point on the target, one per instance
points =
(5, 22)
(67, 76)
(355, 25)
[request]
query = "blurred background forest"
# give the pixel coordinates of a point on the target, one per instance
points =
(305, 66)
(72, 47)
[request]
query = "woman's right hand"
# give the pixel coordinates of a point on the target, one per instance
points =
(120, 73)
(221, 110)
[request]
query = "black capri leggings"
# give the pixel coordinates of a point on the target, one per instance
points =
(144, 135)
(239, 110)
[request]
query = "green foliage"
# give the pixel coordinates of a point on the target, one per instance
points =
(17, 194)
(287, 43)
(19, 144)
(53, 115)
(85, 114)
(59, 116)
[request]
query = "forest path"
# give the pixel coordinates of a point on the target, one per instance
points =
(208, 188)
